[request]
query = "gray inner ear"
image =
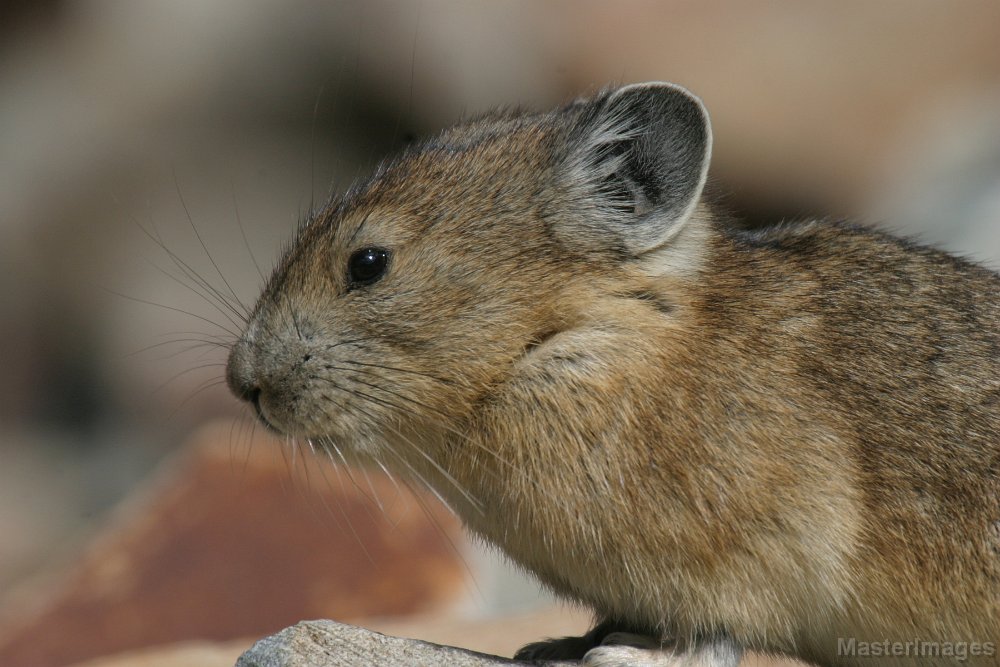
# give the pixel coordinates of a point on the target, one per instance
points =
(649, 147)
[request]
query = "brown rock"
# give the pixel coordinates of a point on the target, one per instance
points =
(183, 654)
(227, 544)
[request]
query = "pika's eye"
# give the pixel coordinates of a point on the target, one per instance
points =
(367, 265)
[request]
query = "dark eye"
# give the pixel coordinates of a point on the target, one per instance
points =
(367, 265)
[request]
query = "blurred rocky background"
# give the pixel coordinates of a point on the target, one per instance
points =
(151, 151)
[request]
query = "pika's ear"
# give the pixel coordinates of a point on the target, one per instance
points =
(638, 161)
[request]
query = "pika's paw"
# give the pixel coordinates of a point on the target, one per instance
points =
(623, 649)
(566, 648)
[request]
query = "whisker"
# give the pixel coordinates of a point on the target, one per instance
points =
(208, 336)
(416, 495)
(444, 534)
(378, 500)
(178, 262)
(204, 387)
(312, 149)
(344, 342)
(187, 269)
(323, 500)
(416, 448)
(396, 368)
(474, 502)
(347, 468)
(198, 343)
(176, 376)
(344, 494)
(392, 479)
(437, 466)
(243, 234)
(248, 422)
(443, 424)
(423, 480)
(219, 305)
(328, 443)
(293, 445)
(419, 498)
(173, 309)
(236, 427)
(205, 248)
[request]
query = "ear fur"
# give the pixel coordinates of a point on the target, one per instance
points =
(638, 164)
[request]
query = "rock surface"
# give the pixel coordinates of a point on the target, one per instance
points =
(330, 644)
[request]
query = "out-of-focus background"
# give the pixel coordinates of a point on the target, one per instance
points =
(151, 151)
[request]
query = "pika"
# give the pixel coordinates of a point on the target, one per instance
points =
(784, 440)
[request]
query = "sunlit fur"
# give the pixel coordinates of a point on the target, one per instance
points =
(778, 437)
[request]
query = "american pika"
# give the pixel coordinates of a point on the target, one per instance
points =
(785, 440)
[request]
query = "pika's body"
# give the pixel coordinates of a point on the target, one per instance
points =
(785, 440)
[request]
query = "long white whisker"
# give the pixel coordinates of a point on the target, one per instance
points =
(443, 424)
(437, 466)
(347, 469)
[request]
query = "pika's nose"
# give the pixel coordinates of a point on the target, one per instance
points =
(240, 379)
(244, 389)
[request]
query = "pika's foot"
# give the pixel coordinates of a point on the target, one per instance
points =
(568, 648)
(622, 649)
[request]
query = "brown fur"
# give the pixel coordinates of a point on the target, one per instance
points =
(782, 437)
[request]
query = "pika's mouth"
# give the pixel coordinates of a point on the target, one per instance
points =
(252, 396)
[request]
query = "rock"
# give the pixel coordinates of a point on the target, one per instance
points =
(181, 654)
(330, 644)
(234, 538)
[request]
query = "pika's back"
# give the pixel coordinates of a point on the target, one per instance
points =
(897, 347)
(899, 331)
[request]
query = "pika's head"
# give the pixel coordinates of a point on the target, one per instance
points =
(402, 305)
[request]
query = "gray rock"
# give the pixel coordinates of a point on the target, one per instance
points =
(329, 644)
